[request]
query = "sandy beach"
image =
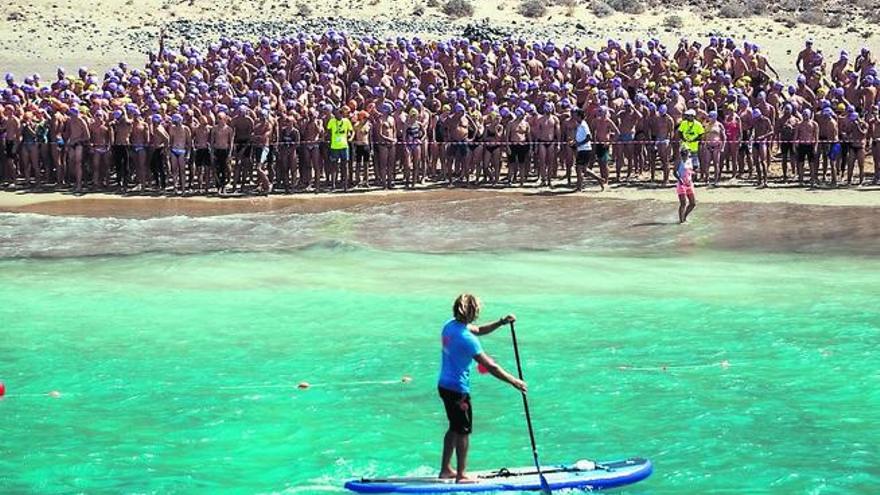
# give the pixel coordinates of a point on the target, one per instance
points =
(41, 35)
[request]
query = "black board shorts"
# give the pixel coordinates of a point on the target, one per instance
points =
(805, 151)
(583, 158)
(519, 153)
(458, 410)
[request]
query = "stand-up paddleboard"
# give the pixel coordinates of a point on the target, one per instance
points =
(584, 475)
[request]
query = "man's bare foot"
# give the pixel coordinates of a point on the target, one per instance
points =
(466, 479)
(446, 475)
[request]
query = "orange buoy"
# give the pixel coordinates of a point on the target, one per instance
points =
(303, 385)
(2, 389)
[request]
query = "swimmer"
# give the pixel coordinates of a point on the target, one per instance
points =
(685, 185)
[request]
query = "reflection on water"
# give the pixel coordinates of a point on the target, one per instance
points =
(491, 223)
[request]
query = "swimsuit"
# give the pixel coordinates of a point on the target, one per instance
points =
(519, 153)
(221, 155)
(490, 138)
(414, 134)
(685, 184)
(202, 157)
(157, 166)
(178, 151)
(603, 152)
(805, 150)
(731, 129)
(289, 136)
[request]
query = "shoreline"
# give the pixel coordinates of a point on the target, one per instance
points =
(151, 206)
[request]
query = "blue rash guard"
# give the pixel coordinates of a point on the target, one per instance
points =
(460, 346)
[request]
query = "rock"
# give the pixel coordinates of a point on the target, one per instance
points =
(15, 16)
(580, 27)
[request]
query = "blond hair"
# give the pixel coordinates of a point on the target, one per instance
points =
(466, 308)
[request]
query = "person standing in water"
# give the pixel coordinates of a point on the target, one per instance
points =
(460, 348)
(684, 172)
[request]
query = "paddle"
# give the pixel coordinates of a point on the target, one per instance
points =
(545, 487)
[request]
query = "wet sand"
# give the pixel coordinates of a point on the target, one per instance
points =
(144, 206)
(444, 221)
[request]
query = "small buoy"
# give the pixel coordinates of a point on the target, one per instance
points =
(303, 385)
(406, 379)
(725, 364)
(663, 368)
(54, 394)
(2, 389)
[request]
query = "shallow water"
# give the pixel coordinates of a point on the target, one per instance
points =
(739, 362)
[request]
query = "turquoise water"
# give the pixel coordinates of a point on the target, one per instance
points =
(735, 372)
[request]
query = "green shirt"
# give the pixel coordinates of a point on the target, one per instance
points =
(691, 132)
(339, 130)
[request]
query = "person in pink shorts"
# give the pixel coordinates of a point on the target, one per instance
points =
(685, 186)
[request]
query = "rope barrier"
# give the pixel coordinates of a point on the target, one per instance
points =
(867, 141)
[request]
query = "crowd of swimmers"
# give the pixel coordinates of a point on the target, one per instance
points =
(336, 112)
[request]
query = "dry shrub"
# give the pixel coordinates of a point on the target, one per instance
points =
(628, 6)
(673, 21)
(756, 7)
(834, 21)
(734, 10)
(458, 8)
(601, 9)
(303, 9)
(533, 8)
(813, 16)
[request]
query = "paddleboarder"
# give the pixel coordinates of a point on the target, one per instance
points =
(460, 348)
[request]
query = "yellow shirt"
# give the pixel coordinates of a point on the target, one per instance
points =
(339, 129)
(691, 131)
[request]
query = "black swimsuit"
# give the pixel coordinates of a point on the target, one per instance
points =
(490, 138)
